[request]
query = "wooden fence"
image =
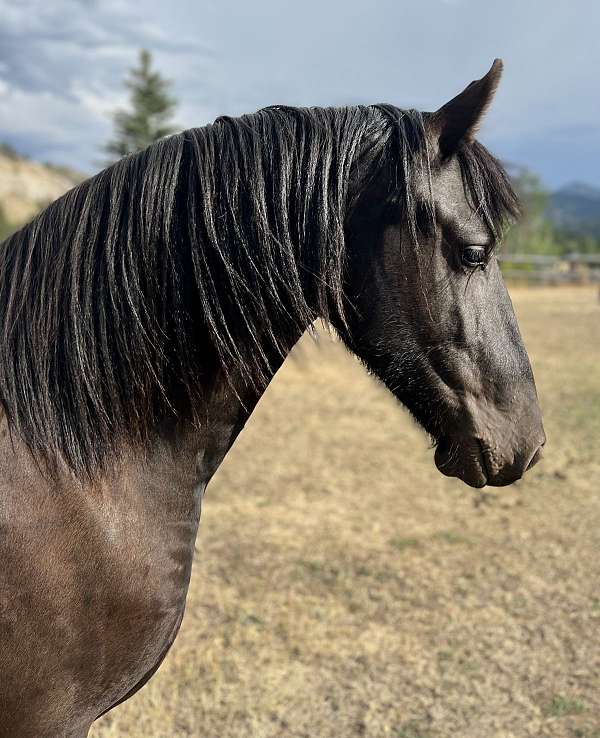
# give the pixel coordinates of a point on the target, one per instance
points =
(547, 270)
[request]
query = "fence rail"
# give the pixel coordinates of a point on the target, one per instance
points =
(546, 269)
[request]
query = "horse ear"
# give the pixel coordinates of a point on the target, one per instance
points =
(459, 119)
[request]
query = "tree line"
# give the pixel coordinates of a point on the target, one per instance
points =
(536, 233)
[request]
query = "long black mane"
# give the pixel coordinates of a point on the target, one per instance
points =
(202, 252)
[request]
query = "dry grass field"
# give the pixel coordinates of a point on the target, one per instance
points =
(344, 588)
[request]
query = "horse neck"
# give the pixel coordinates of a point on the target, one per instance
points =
(228, 403)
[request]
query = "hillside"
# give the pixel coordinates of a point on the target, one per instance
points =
(27, 186)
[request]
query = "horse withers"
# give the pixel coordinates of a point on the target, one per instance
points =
(143, 315)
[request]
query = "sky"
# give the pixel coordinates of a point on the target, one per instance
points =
(62, 65)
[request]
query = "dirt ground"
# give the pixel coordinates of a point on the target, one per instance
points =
(343, 587)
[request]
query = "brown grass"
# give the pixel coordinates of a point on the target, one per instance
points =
(344, 588)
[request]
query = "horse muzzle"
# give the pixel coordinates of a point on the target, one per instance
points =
(479, 463)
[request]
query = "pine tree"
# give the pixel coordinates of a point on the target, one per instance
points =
(151, 108)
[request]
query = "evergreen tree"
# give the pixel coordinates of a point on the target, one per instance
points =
(151, 108)
(534, 232)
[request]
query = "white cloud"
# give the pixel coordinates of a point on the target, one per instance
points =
(97, 101)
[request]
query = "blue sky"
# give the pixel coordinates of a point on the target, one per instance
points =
(62, 64)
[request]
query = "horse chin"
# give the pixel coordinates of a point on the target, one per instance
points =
(462, 459)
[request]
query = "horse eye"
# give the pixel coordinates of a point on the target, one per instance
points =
(473, 256)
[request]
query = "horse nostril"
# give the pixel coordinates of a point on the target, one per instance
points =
(536, 457)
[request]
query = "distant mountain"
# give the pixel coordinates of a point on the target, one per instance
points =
(575, 208)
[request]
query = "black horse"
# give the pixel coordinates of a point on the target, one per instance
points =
(144, 313)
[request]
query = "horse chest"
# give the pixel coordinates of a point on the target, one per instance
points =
(93, 584)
